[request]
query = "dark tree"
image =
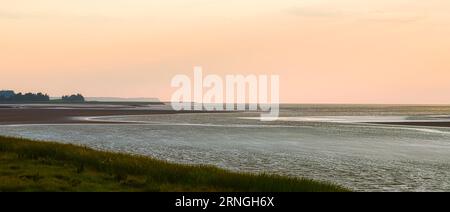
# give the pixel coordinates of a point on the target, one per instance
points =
(28, 97)
(73, 98)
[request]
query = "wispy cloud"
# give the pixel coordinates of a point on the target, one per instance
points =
(395, 17)
(10, 15)
(372, 16)
(51, 16)
(313, 12)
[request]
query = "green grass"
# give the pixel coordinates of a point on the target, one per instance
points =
(27, 165)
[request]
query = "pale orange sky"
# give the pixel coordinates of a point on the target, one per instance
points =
(335, 51)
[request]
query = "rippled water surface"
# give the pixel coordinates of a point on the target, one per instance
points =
(328, 143)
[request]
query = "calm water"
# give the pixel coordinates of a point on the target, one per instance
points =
(323, 142)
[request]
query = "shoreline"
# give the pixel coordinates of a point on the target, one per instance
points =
(74, 114)
(68, 116)
(23, 114)
(415, 124)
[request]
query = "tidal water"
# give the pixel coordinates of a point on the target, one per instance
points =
(332, 143)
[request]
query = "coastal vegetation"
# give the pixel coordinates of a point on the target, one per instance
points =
(73, 98)
(9, 96)
(27, 165)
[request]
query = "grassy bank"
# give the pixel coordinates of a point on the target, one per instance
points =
(27, 165)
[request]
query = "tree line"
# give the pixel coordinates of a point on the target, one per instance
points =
(10, 96)
(73, 98)
(27, 97)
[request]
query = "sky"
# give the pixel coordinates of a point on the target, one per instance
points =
(325, 51)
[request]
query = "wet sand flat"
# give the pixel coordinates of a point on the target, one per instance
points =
(56, 116)
(419, 124)
(43, 114)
